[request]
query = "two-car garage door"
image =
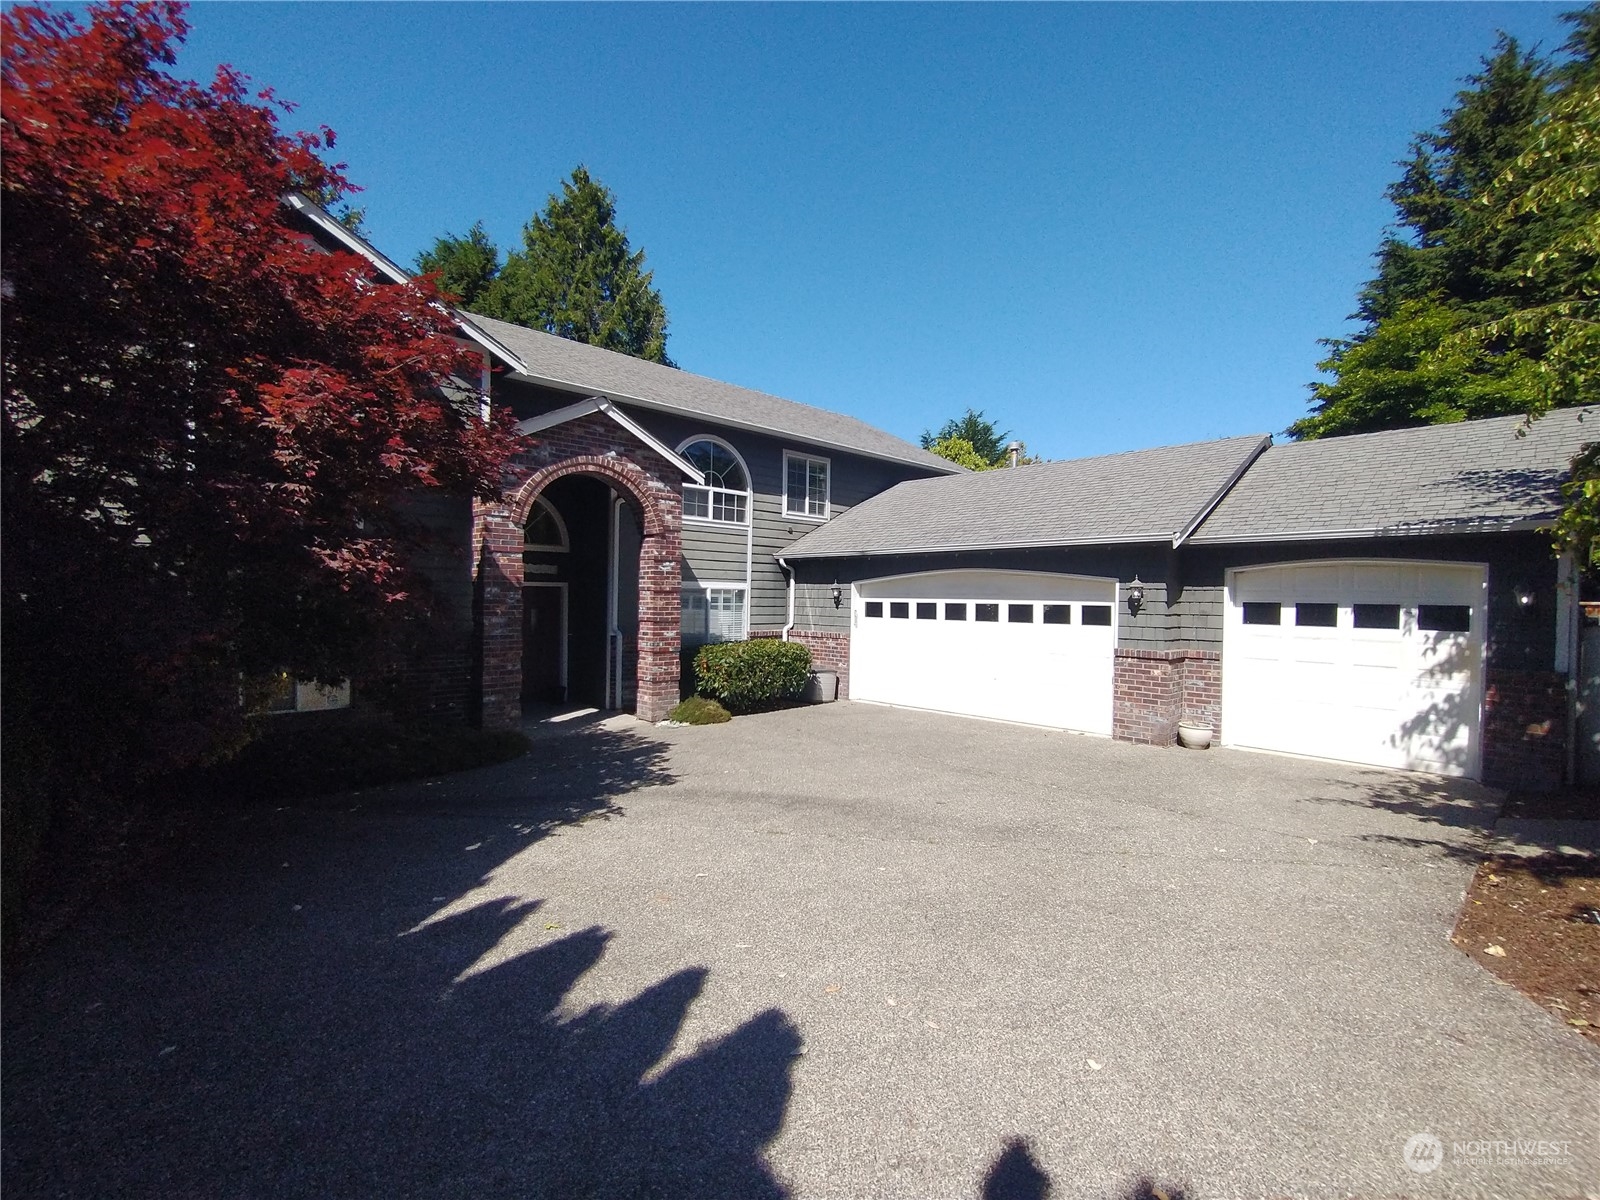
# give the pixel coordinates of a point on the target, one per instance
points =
(1010, 645)
(1370, 662)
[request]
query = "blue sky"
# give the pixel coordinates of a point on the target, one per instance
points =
(1108, 226)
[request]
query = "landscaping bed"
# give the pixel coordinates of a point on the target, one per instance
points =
(294, 758)
(1535, 923)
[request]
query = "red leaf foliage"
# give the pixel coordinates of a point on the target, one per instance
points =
(212, 425)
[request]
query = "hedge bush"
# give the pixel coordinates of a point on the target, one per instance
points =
(745, 676)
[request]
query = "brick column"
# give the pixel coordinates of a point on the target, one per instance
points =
(497, 582)
(1524, 729)
(1152, 690)
(660, 622)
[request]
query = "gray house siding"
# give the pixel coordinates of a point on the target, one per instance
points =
(718, 553)
(729, 553)
(1185, 590)
(1151, 629)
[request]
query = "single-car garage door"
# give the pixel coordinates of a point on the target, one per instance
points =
(1369, 662)
(1011, 645)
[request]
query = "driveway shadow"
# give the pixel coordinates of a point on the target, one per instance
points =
(1452, 817)
(299, 1011)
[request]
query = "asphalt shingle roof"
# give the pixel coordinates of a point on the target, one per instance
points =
(1475, 476)
(629, 380)
(1140, 496)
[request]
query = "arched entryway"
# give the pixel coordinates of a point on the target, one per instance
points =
(616, 596)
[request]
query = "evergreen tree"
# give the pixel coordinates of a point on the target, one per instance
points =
(1449, 265)
(466, 266)
(981, 436)
(576, 276)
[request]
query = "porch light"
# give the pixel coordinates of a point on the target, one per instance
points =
(1525, 598)
(837, 594)
(1135, 597)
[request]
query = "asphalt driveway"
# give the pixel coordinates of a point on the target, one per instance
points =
(842, 951)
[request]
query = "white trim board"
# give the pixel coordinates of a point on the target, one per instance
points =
(599, 404)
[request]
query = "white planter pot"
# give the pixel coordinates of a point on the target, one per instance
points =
(1195, 737)
(821, 688)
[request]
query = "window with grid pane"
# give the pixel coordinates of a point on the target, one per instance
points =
(805, 492)
(712, 615)
(725, 497)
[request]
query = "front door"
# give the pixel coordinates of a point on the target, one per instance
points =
(544, 637)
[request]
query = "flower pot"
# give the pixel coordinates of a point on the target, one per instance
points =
(1194, 736)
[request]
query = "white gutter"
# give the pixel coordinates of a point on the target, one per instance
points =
(1430, 529)
(789, 572)
(1043, 544)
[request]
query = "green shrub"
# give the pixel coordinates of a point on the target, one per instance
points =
(697, 710)
(746, 676)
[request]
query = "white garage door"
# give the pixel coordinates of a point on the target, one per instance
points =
(1369, 662)
(1012, 645)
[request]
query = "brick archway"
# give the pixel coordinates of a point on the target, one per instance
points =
(498, 537)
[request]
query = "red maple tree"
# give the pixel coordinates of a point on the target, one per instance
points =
(207, 418)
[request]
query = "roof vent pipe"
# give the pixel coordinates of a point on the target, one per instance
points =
(1013, 452)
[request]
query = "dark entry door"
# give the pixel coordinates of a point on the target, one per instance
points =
(543, 637)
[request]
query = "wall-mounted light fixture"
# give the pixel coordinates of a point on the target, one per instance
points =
(1135, 596)
(1526, 597)
(838, 594)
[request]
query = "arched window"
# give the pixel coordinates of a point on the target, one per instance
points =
(725, 498)
(545, 529)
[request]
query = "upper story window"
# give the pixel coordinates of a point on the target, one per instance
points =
(805, 486)
(725, 498)
(545, 529)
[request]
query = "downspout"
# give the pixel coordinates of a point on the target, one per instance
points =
(789, 574)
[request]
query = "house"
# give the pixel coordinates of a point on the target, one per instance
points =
(647, 516)
(641, 521)
(1388, 598)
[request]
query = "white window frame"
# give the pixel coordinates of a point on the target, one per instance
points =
(748, 494)
(827, 492)
(705, 590)
(566, 539)
(310, 696)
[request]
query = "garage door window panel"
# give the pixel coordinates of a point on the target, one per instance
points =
(1444, 618)
(1019, 614)
(1097, 614)
(955, 612)
(987, 612)
(899, 610)
(1261, 612)
(1316, 616)
(874, 608)
(1058, 614)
